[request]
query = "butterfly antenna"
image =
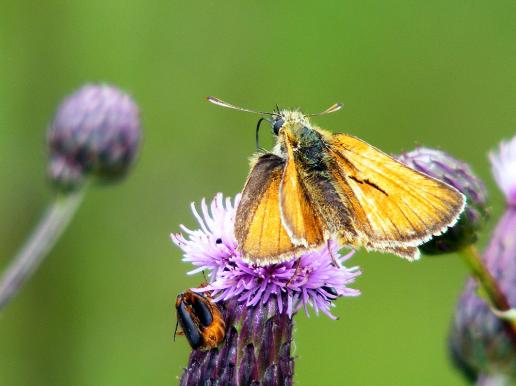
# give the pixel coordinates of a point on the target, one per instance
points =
(257, 130)
(220, 102)
(329, 110)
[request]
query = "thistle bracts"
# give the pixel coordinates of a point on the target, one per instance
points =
(256, 351)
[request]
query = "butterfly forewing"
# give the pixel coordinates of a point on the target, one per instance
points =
(398, 206)
(298, 214)
(258, 229)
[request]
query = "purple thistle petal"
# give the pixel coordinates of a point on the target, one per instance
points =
(503, 164)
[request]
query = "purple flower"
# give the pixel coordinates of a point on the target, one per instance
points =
(503, 165)
(257, 302)
(313, 280)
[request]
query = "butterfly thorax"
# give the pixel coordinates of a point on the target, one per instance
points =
(306, 143)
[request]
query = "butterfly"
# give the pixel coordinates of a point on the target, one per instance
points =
(315, 186)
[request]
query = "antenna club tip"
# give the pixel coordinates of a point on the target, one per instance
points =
(216, 101)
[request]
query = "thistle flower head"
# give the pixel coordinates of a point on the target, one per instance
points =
(479, 340)
(442, 166)
(312, 281)
(96, 130)
(503, 164)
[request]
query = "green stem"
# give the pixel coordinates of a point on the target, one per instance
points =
(37, 246)
(488, 283)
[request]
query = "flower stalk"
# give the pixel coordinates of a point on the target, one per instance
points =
(47, 232)
(489, 285)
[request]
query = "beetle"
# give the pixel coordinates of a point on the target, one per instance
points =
(200, 319)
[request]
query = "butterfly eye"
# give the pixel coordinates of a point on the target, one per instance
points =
(276, 126)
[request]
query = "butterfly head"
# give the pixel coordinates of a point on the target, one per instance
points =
(286, 119)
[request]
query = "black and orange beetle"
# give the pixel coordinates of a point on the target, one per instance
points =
(200, 319)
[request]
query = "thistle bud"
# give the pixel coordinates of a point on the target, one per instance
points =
(96, 131)
(442, 166)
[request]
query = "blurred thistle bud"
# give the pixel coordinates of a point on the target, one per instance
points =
(483, 344)
(96, 131)
(444, 167)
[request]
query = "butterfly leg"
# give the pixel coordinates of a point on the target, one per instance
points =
(296, 272)
(333, 259)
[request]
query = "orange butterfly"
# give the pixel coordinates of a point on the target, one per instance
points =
(315, 185)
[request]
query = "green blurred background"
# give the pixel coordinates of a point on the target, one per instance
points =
(100, 310)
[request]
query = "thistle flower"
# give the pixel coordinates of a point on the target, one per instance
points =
(96, 130)
(259, 301)
(312, 281)
(458, 174)
(478, 339)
